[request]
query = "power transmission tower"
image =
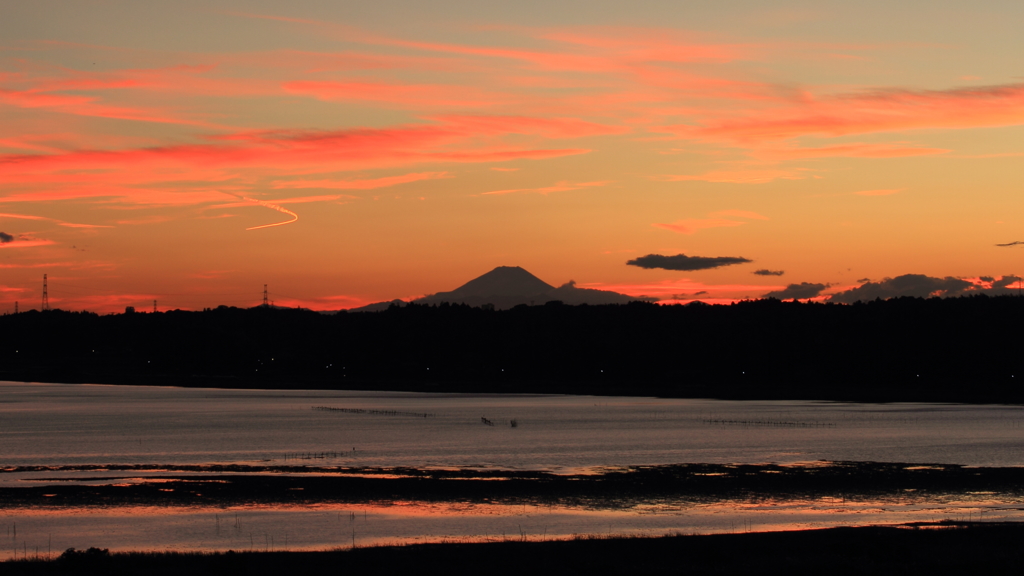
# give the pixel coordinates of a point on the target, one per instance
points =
(266, 302)
(15, 306)
(154, 306)
(46, 297)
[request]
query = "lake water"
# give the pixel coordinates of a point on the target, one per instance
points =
(55, 424)
(68, 425)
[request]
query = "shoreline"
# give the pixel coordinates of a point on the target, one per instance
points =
(918, 548)
(887, 392)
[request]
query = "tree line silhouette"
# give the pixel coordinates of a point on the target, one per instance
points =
(954, 349)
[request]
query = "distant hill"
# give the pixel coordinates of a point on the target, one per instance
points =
(509, 286)
(375, 307)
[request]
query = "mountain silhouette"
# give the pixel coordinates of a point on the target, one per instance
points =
(503, 281)
(509, 286)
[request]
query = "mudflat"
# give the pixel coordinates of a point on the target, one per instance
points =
(240, 484)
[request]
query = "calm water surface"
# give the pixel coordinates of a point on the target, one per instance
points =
(59, 425)
(55, 424)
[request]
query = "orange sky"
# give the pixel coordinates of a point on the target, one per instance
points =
(345, 153)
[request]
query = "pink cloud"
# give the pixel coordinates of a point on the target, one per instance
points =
(648, 45)
(308, 199)
(668, 289)
(267, 152)
(144, 221)
(703, 299)
(854, 150)
(871, 112)
(692, 226)
(26, 243)
(23, 217)
(409, 95)
(59, 222)
(546, 127)
(85, 106)
(72, 265)
(368, 184)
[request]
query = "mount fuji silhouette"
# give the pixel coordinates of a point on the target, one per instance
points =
(509, 286)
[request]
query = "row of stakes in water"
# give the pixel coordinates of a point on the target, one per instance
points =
(513, 423)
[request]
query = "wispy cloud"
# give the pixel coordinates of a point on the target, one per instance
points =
(25, 243)
(414, 96)
(738, 176)
(694, 225)
(562, 186)
(366, 184)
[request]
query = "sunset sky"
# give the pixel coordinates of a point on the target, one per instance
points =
(352, 152)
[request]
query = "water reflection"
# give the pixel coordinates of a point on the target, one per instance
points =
(123, 437)
(325, 526)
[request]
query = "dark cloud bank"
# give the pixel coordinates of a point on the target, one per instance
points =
(921, 286)
(767, 272)
(685, 263)
(5, 238)
(798, 291)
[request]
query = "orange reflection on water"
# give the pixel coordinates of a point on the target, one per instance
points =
(321, 526)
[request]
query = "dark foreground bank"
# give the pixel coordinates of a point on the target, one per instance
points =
(951, 548)
(955, 349)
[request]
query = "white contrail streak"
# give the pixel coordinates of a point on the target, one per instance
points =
(272, 207)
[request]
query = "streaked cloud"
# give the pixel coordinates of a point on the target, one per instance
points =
(717, 220)
(366, 184)
(738, 176)
(26, 243)
(694, 225)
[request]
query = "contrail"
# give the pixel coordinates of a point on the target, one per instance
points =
(1011, 243)
(272, 207)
